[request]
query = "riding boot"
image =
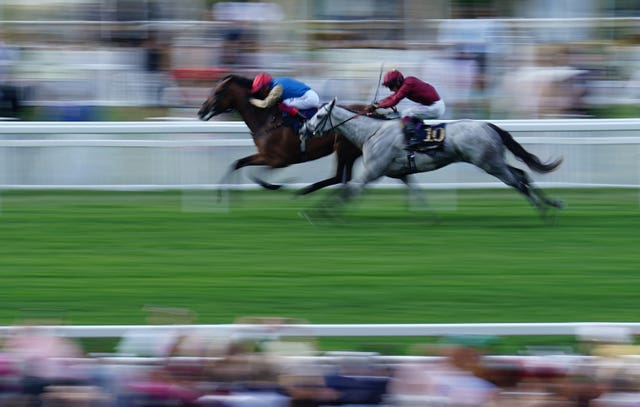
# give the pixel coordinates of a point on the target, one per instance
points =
(291, 111)
(412, 137)
(412, 132)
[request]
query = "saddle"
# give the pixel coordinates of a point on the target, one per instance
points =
(294, 122)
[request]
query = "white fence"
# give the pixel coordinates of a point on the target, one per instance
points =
(347, 330)
(195, 155)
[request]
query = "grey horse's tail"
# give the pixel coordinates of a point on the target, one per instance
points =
(516, 148)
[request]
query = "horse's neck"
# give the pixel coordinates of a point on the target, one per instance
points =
(357, 129)
(254, 117)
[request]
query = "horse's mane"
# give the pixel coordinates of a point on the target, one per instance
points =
(240, 80)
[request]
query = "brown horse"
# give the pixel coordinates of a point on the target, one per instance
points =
(278, 143)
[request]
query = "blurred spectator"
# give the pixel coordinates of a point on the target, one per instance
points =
(623, 391)
(462, 86)
(9, 97)
(241, 36)
(44, 359)
(546, 88)
(452, 379)
(232, 44)
(155, 67)
(606, 341)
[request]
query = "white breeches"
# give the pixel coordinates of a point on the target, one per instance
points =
(309, 100)
(434, 111)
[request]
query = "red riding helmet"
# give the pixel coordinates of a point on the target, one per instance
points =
(392, 77)
(260, 81)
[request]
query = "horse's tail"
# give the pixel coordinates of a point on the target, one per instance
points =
(530, 159)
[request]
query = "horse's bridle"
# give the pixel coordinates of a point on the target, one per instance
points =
(324, 120)
(213, 110)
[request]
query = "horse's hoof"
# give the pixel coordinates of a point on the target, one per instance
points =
(549, 215)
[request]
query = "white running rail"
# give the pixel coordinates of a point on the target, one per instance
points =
(195, 155)
(342, 330)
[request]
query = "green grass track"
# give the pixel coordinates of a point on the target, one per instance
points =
(100, 257)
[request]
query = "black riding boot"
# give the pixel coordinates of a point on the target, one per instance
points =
(412, 133)
(412, 127)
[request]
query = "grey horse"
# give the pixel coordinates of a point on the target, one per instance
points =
(384, 151)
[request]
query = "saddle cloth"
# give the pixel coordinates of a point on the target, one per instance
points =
(427, 137)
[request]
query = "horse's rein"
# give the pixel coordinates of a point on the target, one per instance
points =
(333, 127)
(344, 121)
(303, 146)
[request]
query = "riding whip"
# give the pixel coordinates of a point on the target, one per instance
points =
(375, 97)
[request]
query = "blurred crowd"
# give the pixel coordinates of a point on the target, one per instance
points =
(486, 63)
(255, 366)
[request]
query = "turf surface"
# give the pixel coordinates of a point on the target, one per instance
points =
(101, 257)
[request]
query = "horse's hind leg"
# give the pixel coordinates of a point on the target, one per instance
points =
(518, 179)
(526, 184)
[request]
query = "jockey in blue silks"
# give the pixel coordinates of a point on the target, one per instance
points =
(291, 95)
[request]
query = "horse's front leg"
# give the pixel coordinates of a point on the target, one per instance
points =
(415, 194)
(344, 171)
(331, 206)
(251, 160)
(242, 162)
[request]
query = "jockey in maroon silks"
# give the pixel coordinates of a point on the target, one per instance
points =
(427, 102)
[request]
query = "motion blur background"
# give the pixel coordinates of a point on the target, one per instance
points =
(492, 59)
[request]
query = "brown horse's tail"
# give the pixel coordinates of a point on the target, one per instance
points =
(516, 148)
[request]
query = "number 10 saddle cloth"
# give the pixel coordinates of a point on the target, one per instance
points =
(422, 137)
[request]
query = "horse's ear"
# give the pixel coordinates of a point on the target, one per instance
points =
(333, 102)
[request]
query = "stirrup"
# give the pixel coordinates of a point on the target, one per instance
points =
(412, 143)
(411, 159)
